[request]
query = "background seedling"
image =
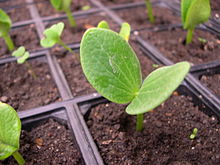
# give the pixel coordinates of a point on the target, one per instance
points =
(53, 36)
(10, 130)
(193, 13)
(22, 55)
(5, 26)
(111, 66)
(64, 5)
(150, 11)
(194, 133)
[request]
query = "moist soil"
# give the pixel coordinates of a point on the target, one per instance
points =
(75, 77)
(46, 9)
(165, 138)
(139, 19)
(171, 44)
(212, 82)
(215, 5)
(117, 2)
(49, 143)
(23, 36)
(20, 89)
(16, 9)
(71, 34)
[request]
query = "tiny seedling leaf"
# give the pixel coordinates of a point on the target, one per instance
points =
(57, 4)
(19, 52)
(52, 35)
(5, 23)
(157, 87)
(110, 65)
(10, 128)
(86, 7)
(103, 25)
(21, 55)
(125, 31)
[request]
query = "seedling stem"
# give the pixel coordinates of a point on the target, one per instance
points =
(18, 158)
(9, 42)
(189, 36)
(149, 11)
(70, 18)
(65, 46)
(139, 122)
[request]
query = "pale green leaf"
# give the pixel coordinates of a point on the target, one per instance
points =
(103, 24)
(10, 128)
(19, 52)
(125, 31)
(185, 4)
(157, 87)
(110, 65)
(22, 59)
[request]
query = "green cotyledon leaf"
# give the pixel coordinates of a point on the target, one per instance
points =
(157, 87)
(10, 129)
(5, 23)
(110, 65)
(185, 4)
(198, 12)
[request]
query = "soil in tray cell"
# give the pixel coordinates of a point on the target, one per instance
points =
(215, 4)
(75, 77)
(139, 19)
(49, 143)
(212, 82)
(71, 34)
(171, 44)
(20, 89)
(23, 36)
(16, 9)
(46, 9)
(165, 138)
(117, 2)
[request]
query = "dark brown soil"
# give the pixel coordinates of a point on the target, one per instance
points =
(139, 19)
(16, 9)
(24, 36)
(71, 35)
(171, 44)
(212, 82)
(73, 72)
(215, 4)
(165, 138)
(49, 143)
(117, 2)
(46, 9)
(22, 91)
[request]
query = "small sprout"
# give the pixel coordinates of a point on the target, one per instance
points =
(21, 55)
(202, 40)
(103, 24)
(5, 26)
(194, 133)
(118, 77)
(193, 13)
(155, 66)
(53, 36)
(86, 7)
(10, 128)
(150, 11)
(125, 31)
(64, 5)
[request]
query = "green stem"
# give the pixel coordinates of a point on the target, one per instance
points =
(31, 70)
(189, 36)
(70, 18)
(65, 46)
(149, 11)
(18, 158)
(9, 42)
(139, 122)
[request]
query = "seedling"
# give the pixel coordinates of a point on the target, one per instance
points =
(194, 133)
(53, 36)
(64, 5)
(10, 130)
(5, 26)
(22, 55)
(150, 11)
(113, 69)
(194, 12)
(86, 7)
(202, 40)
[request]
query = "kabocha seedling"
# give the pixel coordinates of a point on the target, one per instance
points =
(53, 36)
(194, 133)
(112, 68)
(149, 11)
(5, 26)
(10, 130)
(193, 13)
(22, 55)
(64, 5)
